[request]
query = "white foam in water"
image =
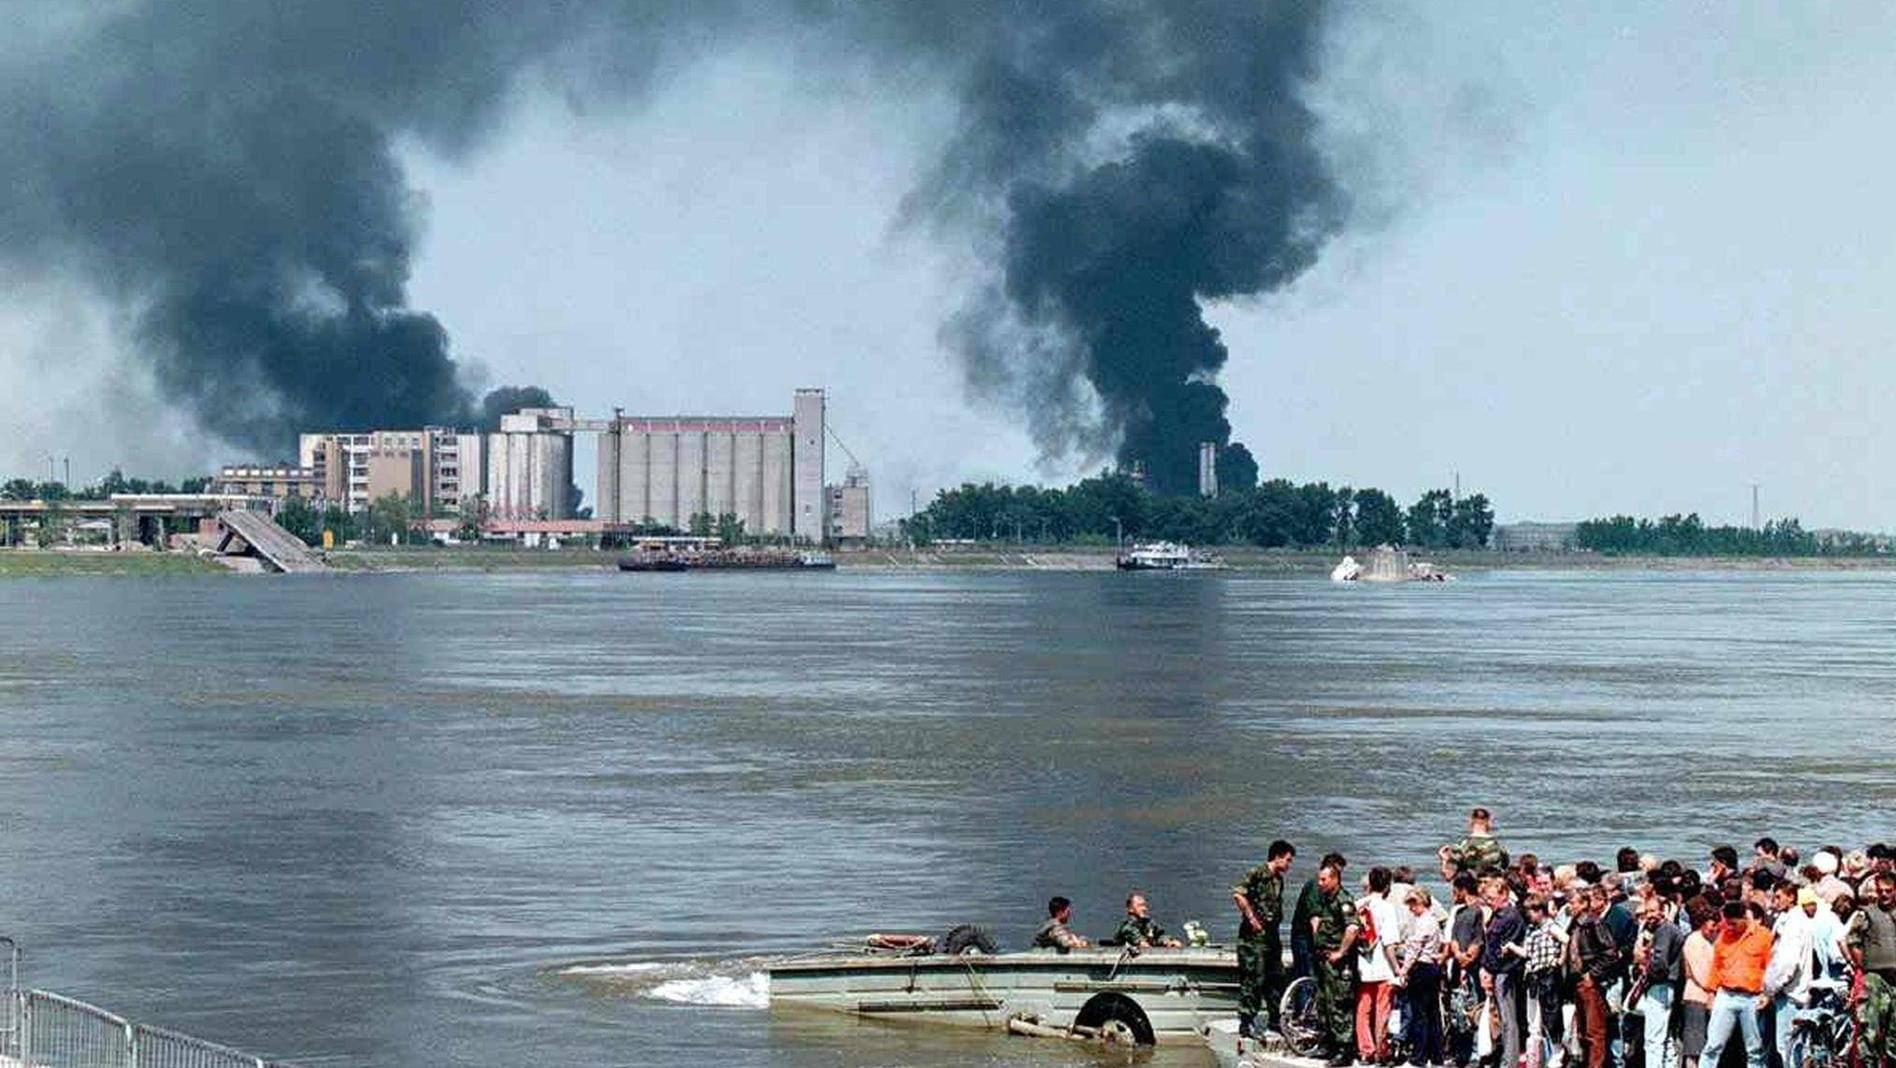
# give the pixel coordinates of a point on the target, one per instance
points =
(635, 967)
(723, 991)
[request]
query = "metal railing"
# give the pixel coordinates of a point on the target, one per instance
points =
(47, 1030)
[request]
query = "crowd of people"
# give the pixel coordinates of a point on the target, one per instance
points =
(1646, 963)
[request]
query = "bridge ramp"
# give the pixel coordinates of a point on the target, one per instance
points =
(277, 548)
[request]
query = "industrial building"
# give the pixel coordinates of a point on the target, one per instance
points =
(766, 470)
(530, 465)
(435, 465)
(848, 519)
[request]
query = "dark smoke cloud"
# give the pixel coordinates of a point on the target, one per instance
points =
(226, 170)
(1107, 253)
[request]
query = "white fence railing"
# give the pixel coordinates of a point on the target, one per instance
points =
(46, 1030)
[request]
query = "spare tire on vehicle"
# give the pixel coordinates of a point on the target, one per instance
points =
(967, 938)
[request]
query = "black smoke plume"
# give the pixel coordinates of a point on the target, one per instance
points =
(1113, 242)
(226, 171)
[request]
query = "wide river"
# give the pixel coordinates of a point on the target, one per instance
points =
(559, 819)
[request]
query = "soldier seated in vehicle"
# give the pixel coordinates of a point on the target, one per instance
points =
(1055, 934)
(1138, 931)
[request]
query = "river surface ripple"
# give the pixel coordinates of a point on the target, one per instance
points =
(495, 820)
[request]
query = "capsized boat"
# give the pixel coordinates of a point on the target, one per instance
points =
(1110, 994)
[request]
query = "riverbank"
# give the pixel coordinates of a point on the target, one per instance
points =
(469, 558)
(32, 563)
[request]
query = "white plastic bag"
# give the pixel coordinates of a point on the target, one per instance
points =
(1485, 1037)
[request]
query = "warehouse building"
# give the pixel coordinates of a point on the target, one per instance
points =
(766, 470)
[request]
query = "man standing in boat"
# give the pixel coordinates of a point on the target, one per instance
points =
(1055, 934)
(1260, 901)
(1138, 931)
(1333, 933)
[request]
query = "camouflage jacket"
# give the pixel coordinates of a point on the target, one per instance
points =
(1055, 935)
(1264, 889)
(1481, 854)
(1334, 914)
(1138, 932)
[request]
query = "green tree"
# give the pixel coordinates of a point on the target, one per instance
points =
(18, 489)
(297, 517)
(730, 529)
(472, 514)
(1470, 522)
(391, 519)
(1378, 518)
(1427, 521)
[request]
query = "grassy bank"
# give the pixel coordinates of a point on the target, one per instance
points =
(24, 563)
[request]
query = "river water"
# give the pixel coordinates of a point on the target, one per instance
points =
(559, 819)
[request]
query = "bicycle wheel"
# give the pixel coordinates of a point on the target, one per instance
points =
(1302, 1022)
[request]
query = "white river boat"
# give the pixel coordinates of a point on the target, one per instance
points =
(1107, 994)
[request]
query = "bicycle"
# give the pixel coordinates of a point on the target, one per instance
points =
(1823, 1033)
(1300, 1018)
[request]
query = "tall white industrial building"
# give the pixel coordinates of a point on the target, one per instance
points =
(766, 470)
(530, 465)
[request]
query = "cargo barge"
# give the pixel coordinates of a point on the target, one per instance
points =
(728, 560)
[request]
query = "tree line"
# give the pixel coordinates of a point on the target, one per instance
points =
(25, 489)
(1687, 535)
(1274, 514)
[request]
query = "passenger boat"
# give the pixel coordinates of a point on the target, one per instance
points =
(1166, 556)
(1107, 994)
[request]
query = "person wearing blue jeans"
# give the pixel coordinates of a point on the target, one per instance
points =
(1735, 1009)
(1738, 966)
(1657, 968)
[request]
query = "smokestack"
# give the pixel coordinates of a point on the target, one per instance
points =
(1207, 469)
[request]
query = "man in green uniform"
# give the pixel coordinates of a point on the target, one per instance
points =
(1138, 931)
(1260, 901)
(1871, 943)
(1333, 932)
(1479, 852)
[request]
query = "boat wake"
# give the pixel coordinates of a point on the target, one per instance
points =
(729, 984)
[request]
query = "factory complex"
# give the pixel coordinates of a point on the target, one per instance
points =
(671, 472)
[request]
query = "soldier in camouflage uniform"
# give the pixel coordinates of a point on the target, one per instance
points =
(1480, 852)
(1137, 930)
(1260, 901)
(1334, 929)
(1871, 943)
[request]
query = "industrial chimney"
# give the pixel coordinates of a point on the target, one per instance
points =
(1207, 469)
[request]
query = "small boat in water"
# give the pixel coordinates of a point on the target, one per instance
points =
(1166, 556)
(1107, 994)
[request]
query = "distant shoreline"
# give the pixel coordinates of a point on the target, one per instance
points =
(1242, 559)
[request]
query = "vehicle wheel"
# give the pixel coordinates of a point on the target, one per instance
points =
(1119, 1018)
(1303, 1024)
(968, 938)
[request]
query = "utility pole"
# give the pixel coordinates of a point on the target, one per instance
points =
(1458, 485)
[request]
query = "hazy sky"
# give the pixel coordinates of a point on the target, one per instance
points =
(1627, 258)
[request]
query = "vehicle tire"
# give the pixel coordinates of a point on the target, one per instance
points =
(1119, 1018)
(968, 938)
(1302, 1023)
